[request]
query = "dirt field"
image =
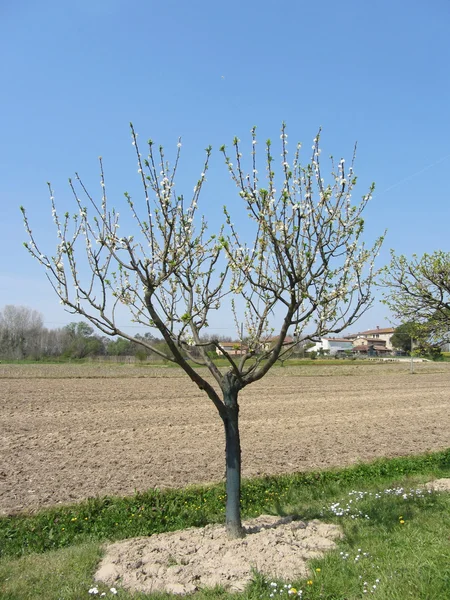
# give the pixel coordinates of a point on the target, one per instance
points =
(70, 432)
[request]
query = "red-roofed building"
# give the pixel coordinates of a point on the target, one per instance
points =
(373, 336)
(270, 342)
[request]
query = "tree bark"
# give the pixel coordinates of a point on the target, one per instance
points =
(233, 458)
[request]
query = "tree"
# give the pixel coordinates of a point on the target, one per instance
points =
(80, 340)
(20, 331)
(78, 330)
(419, 290)
(403, 335)
(302, 256)
(121, 347)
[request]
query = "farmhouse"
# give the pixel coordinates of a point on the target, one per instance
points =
(364, 346)
(378, 337)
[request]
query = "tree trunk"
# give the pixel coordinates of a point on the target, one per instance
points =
(233, 459)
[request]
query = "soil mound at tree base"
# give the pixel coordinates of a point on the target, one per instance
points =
(439, 485)
(181, 562)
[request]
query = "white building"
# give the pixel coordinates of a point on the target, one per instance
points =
(331, 345)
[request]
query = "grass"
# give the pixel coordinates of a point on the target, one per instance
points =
(65, 573)
(53, 554)
(155, 511)
(404, 545)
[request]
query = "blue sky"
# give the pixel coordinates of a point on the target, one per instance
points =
(74, 74)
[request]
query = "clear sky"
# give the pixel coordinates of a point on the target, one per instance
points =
(74, 74)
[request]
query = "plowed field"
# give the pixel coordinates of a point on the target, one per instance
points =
(70, 432)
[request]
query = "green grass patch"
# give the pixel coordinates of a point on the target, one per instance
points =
(395, 545)
(65, 573)
(156, 511)
(400, 550)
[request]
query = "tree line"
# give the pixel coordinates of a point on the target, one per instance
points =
(24, 336)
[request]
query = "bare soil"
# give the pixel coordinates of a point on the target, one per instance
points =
(184, 561)
(71, 432)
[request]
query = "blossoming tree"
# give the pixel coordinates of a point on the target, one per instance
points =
(418, 290)
(301, 255)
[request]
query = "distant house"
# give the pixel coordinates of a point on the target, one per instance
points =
(376, 336)
(231, 348)
(330, 345)
(270, 342)
(359, 341)
(370, 348)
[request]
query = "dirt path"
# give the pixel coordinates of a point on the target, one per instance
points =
(68, 433)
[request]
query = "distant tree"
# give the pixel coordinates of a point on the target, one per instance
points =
(121, 347)
(79, 330)
(141, 354)
(21, 329)
(53, 343)
(301, 258)
(418, 290)
(403, 335)
(411, 337)
(80, 341)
